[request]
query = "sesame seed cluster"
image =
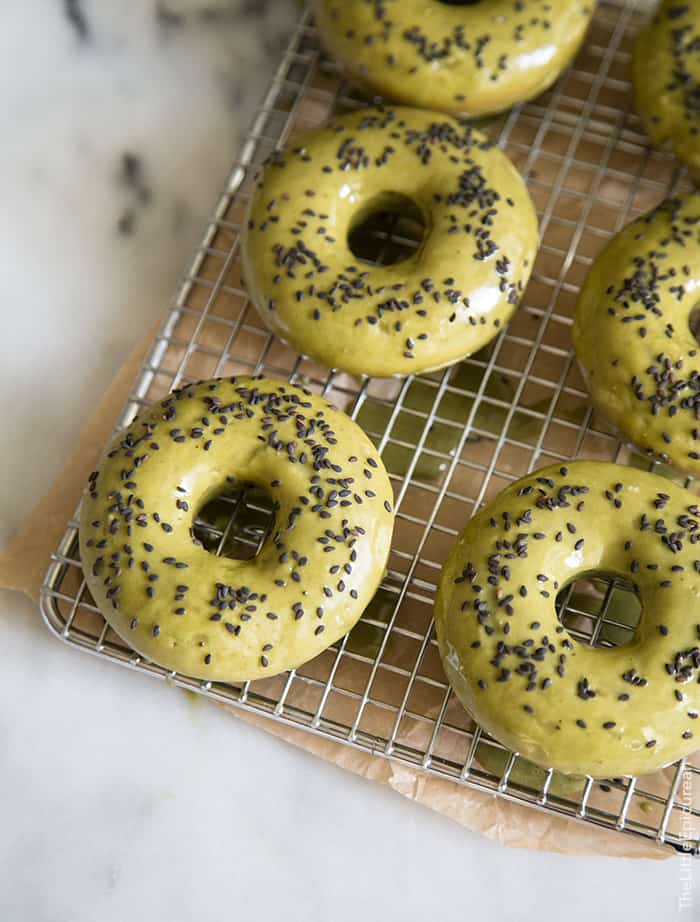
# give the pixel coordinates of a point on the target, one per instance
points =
(466, 59)
(628, 710)
(632, 332)
(436, 307)
(219, 618)
(666, 78)
(618, 711)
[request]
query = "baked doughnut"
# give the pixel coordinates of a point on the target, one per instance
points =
(632, 332)
(471, 59)
(214, 617)
(625, 710)
(441, 304)
(666, 78)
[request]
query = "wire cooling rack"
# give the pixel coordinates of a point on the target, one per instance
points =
(451, 440)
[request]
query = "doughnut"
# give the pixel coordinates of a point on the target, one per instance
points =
(666, 78)
(632, 332)
(446, 300)
(472, 59)
(609, 712)
(218, 618)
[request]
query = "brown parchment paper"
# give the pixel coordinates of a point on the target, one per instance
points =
(24, 561)
(23, 564)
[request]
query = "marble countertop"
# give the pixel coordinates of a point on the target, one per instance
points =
(121, 798)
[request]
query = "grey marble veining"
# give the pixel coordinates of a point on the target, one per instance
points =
(120, 798)
(119, 123)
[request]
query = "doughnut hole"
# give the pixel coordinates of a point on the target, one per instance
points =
(236, 522)
(694, 322)
(387, 230)
(599, 609)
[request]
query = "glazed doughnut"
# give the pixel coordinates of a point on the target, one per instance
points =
(666, 78)
(609, 712)
(632, 332)
(214, 617)
(471, 59)
(441, 304)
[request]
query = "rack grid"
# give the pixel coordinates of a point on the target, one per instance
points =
(451, 440)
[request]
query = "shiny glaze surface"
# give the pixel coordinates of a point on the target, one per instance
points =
(607, 712)
(220, 618)
(465, 59)
(439, 305)
(632, 332)
(666, 78)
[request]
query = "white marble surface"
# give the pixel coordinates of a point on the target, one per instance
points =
(122, 799)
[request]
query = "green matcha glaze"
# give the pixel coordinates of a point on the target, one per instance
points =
(666, 78)
(469, 59)
(632, 332)
(601, 712)
(445, 434)
(495, 760)
(442, 303)
(218, 618)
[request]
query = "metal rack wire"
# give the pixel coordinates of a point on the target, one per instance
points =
(451, 440)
